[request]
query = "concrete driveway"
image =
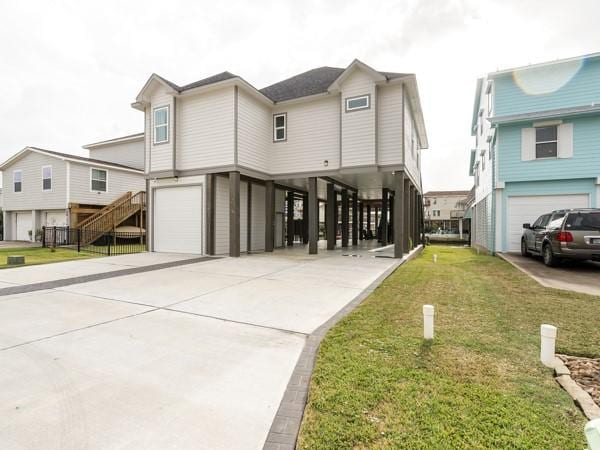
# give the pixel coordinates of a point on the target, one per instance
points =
(193, 356)
(576, 276)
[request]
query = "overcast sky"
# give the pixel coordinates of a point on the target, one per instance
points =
(69, 70)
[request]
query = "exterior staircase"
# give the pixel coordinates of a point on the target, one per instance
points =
(111, 216)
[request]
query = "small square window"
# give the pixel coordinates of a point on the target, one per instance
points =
(98, 180)
(357, 103)
(280, 127)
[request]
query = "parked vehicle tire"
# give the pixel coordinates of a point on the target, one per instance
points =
(548, 256)
(524, 251)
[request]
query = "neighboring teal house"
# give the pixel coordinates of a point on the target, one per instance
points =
(537, 146)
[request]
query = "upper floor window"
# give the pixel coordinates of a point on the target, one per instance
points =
(47, 178)
(482, 163)
(488, 92)
(161, 125)
(279, 127)
(98, 179)
(546, 142)
(356, 103)
(17, 181)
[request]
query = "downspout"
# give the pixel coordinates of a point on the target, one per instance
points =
(494, 213)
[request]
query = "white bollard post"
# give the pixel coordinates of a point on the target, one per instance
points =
(592, 434)
(548, 344)
(434, 258)
(428, 312)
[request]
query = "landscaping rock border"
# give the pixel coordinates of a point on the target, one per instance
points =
(578, 394)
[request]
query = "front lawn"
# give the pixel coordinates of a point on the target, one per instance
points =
(39, 255)
(480, 384)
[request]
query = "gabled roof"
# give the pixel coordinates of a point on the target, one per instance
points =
(315, 81)
(67, 157)
(119, 140)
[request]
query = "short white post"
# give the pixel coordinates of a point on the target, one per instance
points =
(428, 312)
(592, 434)
(548, 344)
(434, 258)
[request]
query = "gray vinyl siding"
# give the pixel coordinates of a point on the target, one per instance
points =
(254, 133)
(32, 196)
(411, 157)
(358, 127)
(313, 135)
(161, 155)
(205, 130)
(118, 182)
(221, 215)
(128, 154)
(258, 218)
(389, 124)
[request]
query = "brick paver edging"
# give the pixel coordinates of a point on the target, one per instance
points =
(286, 424)
(20, 289)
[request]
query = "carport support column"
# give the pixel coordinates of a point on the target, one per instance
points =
(270, 215)
(210, 213)
(398, 214)
(361, 223)
(413, 215)
(330, 224)
(355, 218)
(368, 217)
(345, 217)
(290, 218)
(406, 218)
(384, 212)
(312, 209)
(305, 218)
(234, 214)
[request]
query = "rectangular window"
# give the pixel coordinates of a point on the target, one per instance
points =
(47, 178)
(279, 127)
(482, 163)
(546, 142)
(98, 180)
(161, 125)
(17, 181)
(357, 103)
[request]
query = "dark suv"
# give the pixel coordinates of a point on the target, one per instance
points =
(563, 234)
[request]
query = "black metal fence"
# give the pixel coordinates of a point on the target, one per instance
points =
(106, 243)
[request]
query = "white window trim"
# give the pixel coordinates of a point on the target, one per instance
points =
(51, 179)
(91, 174)
(167, 125)
(276, 128)
(546, 142)
(19, 171)
(358, 108)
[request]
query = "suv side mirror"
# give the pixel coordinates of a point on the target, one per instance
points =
(527, 226)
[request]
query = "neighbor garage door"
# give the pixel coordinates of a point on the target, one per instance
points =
(178, 219)
(23, 227)
(527, 209)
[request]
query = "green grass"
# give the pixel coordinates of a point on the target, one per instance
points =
(478, 385)
(39, 255)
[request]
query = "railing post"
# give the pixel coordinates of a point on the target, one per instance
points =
(109, 242)
(54, 238)
(68, 236)
(43, 237)
(78, 240)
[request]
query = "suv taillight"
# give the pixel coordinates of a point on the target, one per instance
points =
(564, 236)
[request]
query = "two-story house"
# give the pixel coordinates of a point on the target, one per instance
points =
(445, 210)
(537, 146)
(227, 162)
(48, 188)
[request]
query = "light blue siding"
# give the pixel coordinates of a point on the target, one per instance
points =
(515, 92)
(585, 162)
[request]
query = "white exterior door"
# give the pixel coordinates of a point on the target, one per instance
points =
(23, 226)
(526, 209)
(178, 219)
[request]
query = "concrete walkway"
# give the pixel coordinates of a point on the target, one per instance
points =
(195, 356)
(582, 276)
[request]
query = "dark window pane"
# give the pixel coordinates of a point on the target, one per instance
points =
(544, 134)
(47, 183)
(279, 121)
(358, 103)
(280, 134)
(547, 150)
(583, 221)
(18, 186)
(98, 185)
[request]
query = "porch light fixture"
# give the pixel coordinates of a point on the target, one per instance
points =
(325, 163)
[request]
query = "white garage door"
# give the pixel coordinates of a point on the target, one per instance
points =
(178, 219)
(527, 209)
(23, 226)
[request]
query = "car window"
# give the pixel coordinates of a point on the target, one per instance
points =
(544, 220)
(537, 222)
(556, 220)
(583, 221)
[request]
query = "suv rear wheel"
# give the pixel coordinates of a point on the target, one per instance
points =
(548, 255)
(524, 251)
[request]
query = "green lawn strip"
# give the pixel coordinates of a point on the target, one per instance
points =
(39, 255)
(478, 385)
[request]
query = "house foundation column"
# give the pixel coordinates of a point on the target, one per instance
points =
(384, 219)
(345, 217)
(313, 216)
(234, 214)
(355, 218)
(361, 222)
(391, 224)
(413, 223)
(270, 215)
(368, 218)
(305, 218)
(330, 216)
(398, 214)
(210, 214)
(406, 218)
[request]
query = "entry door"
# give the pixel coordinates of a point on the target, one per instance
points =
(23, 227)
(178, 213)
